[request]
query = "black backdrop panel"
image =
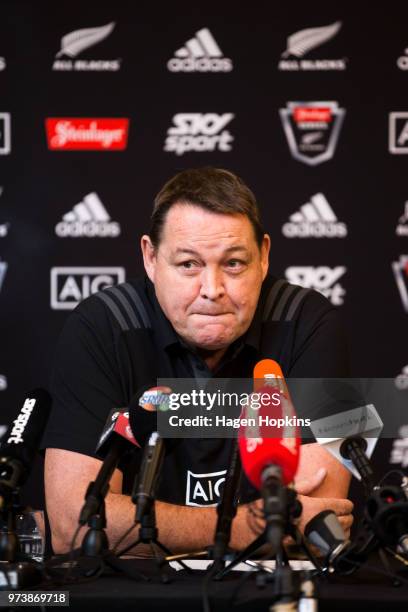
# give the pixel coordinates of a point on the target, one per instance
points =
(233, 71)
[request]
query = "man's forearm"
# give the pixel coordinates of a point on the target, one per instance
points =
(181, 528)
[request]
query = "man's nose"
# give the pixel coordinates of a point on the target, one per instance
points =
(212, 284)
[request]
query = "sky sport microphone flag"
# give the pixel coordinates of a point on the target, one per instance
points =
(275, 438)
(21, 442)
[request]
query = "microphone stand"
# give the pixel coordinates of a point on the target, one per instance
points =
(17, 569)
(293, 511)
(148, 534)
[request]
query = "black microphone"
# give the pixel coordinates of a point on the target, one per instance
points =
(353, 448)
(116, 440)
(21, 443)
(143, 423)
(326, 533)
(227, 508)
(387, 513)
(144, 490)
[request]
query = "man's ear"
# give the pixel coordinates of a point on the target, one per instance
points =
(265, 248)
(149, 256)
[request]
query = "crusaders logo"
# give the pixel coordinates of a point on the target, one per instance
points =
(401, 276)
(312, 129)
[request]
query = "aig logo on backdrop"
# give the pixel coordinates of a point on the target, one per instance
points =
(69, 286)
(204, 489)
(73, 43)
(199, 132)
(321, 278)
(5, 133)
(398, 133)
(200, 53)
(312, 130)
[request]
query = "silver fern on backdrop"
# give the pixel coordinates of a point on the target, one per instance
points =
(303, 41)
(75, 42)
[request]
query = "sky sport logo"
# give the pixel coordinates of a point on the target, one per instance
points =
(402, 227)
(400, 269)
(199, 132)
(315, 219)
(302, 42)
(88, 219)
(69, 286)
(321, 278)
(398, 133)
(74, 43)
(200, 54)
(92, 134)
(5, 133)
(312, 130)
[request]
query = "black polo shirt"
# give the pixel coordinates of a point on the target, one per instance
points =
(119, 339)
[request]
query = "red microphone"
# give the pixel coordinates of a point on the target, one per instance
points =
(269, 444)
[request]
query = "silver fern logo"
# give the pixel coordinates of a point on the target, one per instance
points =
(74, 43)
(300, 43)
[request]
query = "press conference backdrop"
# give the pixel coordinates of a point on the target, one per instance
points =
(101, 103)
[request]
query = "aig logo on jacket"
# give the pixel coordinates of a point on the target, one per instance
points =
(204, 489)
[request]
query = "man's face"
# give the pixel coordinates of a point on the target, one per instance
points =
(207, 273)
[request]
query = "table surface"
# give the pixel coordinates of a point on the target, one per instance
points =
(113, 591)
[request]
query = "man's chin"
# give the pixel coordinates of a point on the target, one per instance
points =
(212, 343)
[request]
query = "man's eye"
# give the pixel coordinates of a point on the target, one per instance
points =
(187, 265)
(235, 263)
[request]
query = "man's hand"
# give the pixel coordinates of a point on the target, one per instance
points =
(313, 505)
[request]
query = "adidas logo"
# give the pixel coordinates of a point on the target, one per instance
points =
(88, 219)
(315, 219)
(402, 227)
(200, 54)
